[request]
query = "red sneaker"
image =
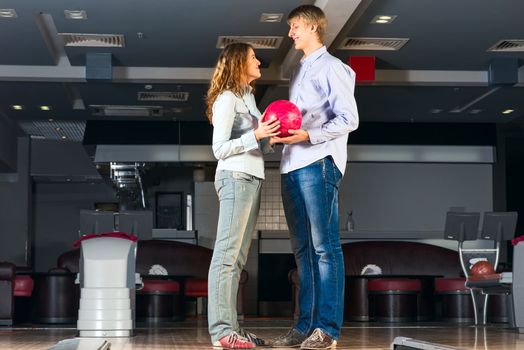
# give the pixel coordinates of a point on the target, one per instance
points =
(233, 341)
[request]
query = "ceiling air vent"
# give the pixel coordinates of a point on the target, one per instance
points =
(126, 111)
(375, 44)
(173, 96)
(93, 40)
(55, 130)
(510, 45)
(258, 42)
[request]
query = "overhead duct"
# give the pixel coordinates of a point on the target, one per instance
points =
(59, 161)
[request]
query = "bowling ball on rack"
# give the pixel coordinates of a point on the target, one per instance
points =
(481, 268)
(287, 113)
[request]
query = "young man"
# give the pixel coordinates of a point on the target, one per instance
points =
(313, 163)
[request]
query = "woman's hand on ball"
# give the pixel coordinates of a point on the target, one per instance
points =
(268, 128)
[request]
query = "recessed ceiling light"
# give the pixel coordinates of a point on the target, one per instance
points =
(435, 110)
(8, 13)
(51, 120)
(508, 111)
(17, 107)
(75, 14)
(64, 137)
(475, 111)
(383, 19)
(271, 17)
(58, 128)
(45, 108)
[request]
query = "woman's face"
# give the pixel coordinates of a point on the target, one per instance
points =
(252, 66)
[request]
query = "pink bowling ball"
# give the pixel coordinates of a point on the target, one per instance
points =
(288, 114)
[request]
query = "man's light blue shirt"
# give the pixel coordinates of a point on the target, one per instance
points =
(323, 89)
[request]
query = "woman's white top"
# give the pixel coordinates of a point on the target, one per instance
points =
(235, 119)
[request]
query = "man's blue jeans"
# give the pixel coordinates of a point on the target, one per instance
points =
(239, 196)
(310, 197)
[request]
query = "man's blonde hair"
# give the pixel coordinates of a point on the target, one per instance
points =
(311, 15)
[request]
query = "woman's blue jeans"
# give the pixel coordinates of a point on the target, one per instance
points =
(239, 196)
(310, 197)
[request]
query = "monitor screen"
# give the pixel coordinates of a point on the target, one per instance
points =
(499, 226)
(461, 226)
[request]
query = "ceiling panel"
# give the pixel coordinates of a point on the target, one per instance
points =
(179, 38)
(443, 35)
(176, 33)
(21, 42)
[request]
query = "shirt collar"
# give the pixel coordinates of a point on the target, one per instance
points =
(246, 89)
(314, 55)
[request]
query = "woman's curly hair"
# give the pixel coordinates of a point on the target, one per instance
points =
(228, 75)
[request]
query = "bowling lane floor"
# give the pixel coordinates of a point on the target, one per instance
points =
(192, 334)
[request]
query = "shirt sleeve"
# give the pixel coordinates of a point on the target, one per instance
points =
(265, 146)
(339, 86)
(223, 117)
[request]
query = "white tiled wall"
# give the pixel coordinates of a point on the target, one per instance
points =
(271, 215)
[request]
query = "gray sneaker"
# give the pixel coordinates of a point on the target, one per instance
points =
(252, 337)
(319, 340)
(292, 339)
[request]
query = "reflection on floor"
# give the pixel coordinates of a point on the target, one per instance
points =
(192, 334)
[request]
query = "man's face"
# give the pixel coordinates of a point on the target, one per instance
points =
(301, 33)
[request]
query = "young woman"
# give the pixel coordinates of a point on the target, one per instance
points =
(239, 140)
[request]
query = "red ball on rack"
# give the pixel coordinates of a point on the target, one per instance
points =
(481, 268)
